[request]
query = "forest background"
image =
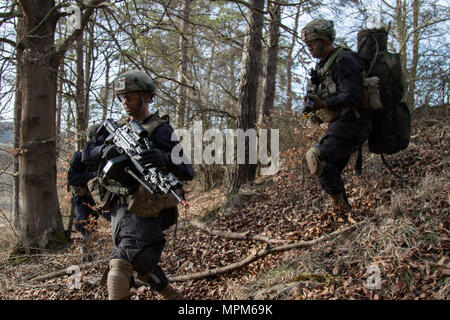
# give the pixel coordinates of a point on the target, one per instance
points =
(229, 64)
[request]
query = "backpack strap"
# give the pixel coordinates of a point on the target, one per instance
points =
(322, 71)
(154, 122)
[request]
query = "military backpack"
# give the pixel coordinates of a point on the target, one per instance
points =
(383, 92)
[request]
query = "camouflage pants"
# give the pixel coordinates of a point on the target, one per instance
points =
(344, 136)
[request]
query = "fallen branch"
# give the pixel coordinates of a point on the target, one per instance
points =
(214, 272)
(235, 235)
(27, 250)
(262, 253)
(62, 272)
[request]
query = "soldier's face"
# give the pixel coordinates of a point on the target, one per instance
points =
(130, 101)
(316, 48)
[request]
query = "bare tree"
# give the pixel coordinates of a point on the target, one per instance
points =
(248, 87)
(40, 224)
(289, 63)
(17, 116)
(271, 60)
(81, 105)
(182, 67)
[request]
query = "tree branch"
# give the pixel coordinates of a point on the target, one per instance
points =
(10, 42)
(236, 235)
(84, 20)
(62, 272)
(423, 26)
(262, 253)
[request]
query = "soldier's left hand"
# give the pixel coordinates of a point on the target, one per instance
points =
(156, 157)
(318, 103)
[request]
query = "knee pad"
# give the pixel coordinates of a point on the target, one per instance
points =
(315, 161)
(118, 281)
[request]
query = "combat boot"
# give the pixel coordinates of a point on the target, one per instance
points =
(169, 293)
(339, 201)
(118, 280)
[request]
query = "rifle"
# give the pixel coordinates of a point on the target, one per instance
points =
(132, 141)
(307, 107)
(308, 104)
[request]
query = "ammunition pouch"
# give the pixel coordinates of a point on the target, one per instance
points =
(100, 194)
(147, 205)
(80, 191)
(327, 115)
(371, 93)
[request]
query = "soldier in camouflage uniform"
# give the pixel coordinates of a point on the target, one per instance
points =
(335, 91)
(138, 237)
(78, 176)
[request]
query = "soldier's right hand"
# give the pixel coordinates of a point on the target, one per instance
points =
(317, 102)
(109, 152)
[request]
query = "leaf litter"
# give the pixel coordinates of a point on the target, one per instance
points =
(406, 238)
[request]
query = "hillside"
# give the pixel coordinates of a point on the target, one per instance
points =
(399, 230)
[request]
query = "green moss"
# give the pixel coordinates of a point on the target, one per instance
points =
(211, 214)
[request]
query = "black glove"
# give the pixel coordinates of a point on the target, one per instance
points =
(156, 157)
(109, 152)
(317, 102)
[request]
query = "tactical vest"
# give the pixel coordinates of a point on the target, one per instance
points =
(328, 88)
(140, 202)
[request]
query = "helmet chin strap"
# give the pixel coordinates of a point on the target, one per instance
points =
(152, 110)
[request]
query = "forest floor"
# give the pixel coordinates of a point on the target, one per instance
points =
(394, 244)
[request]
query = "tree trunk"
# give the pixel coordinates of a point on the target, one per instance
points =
(205, 103)
(272, 62)
(400, 19)
(89, 66)
(80, 94)
(40, 223)
(183, 66)
(289, 92)
(410, 98)
(17, 116)
(40, 218)
(105, 95)
(59, 106)
(248, 88)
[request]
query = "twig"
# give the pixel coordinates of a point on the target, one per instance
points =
(13, 230)
(235, 235)
(13, 174)
(63, 272)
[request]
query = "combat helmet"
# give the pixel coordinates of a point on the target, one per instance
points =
(133, 81)
(318, 29)
(90, 131)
